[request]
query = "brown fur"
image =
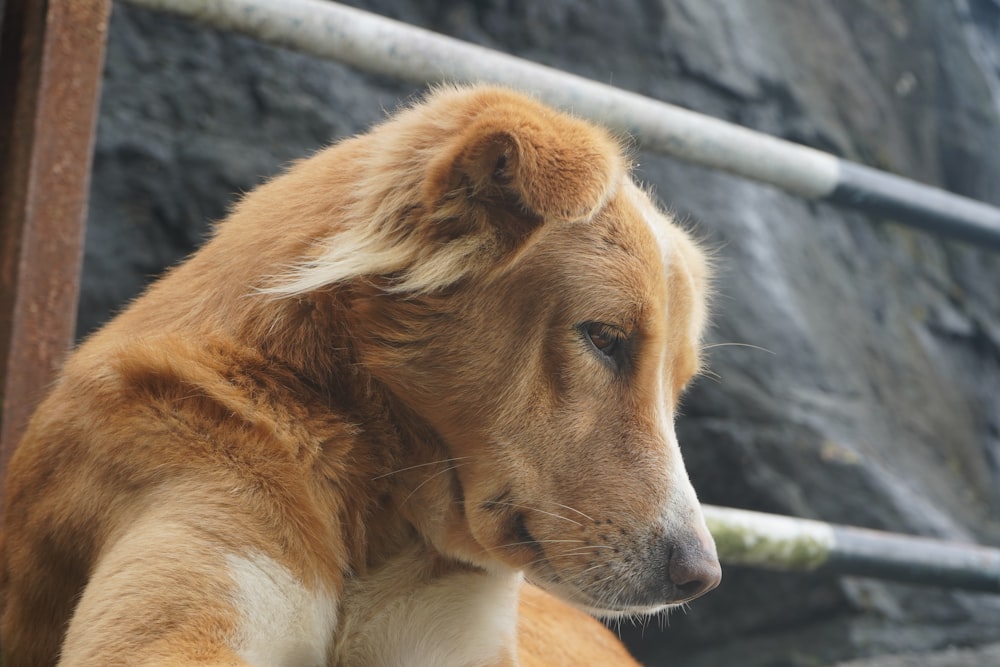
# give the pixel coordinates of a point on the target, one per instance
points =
(375, 363)
(550, 633)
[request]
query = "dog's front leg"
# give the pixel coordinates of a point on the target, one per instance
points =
(177, 591)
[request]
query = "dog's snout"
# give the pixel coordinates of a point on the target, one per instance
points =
(693, 567)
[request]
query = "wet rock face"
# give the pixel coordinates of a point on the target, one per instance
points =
(876, 400)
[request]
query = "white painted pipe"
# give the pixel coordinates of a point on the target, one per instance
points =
(785, 543)
(390, 48)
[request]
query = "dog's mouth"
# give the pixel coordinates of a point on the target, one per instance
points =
(516, 545)
(540, 570)
(520, 547)
(548, 571)
(522, 537)
(574, 570)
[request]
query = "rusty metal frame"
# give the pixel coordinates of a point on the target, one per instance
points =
(51, 61)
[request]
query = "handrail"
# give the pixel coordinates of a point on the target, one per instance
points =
(785, 543)
(376, 44)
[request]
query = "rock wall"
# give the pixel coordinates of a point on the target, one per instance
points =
(875, 400)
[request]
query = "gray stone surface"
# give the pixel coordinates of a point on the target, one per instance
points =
(953, 657)
(877, 400)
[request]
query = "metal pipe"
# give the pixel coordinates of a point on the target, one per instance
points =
(784, 543)
(390, 48)
(51, 58)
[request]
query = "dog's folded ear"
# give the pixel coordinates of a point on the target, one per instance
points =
(527, 159)
(452, 185)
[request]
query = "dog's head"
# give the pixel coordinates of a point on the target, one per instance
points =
(543, 317)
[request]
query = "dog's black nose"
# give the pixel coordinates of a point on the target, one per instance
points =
(693, 568)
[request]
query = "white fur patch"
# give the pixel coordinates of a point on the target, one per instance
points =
(282, 624)
(459, 620)
(681, 504)
(658, 223)
(372, 252)
(462, 621)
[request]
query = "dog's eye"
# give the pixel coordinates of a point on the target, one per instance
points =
(606, 338)
(603, 337)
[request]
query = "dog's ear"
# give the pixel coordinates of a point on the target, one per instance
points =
(528, 161)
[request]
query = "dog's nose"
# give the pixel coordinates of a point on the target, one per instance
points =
(693, 568)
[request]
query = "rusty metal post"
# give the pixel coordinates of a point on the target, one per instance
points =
(51, 59)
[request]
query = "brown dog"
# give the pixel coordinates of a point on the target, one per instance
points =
(417, 365)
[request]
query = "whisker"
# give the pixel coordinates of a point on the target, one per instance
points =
(514, 544)
(596, 546)
(584, 571)
(534, 509)
(421, 465)
(753, 347)
(544, 557)
(582, 551)
(711, 375)
(604, 579)
(438, 473)
(573, 509)
(540, 559)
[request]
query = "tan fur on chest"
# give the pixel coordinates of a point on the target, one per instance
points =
(423, 365)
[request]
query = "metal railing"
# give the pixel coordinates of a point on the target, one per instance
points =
(387, 47)
(376, 44)
(775, 542)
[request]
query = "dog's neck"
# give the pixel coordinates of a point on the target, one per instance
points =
(414, 492)
(411, 604)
